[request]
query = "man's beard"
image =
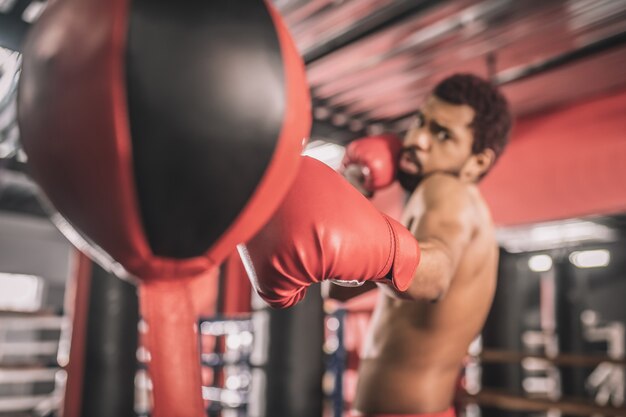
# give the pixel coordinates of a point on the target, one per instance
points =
(409, 181)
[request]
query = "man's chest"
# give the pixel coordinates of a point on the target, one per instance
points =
(413, 211)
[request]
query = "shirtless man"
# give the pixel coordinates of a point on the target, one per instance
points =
(438, 268)
(416, 347)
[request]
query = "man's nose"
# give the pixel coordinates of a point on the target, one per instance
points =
(421, 139)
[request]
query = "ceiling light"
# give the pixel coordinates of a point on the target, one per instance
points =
(547, 236)
(590, 258)
(540, 263)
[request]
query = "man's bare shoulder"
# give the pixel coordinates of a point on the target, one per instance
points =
(441, 188)
(447, 193)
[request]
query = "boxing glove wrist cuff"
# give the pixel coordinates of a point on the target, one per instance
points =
(406, 256)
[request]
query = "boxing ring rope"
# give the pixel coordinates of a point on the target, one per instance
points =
(562, 359)
(571, 406)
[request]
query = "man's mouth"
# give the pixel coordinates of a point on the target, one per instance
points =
(409, 163)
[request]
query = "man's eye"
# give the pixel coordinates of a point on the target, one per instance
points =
(443, 135)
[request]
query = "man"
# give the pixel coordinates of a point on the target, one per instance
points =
(413, 352)
(438, 276)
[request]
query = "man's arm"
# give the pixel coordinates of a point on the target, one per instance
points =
(445, 230)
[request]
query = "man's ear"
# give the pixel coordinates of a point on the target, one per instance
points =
(480, 163)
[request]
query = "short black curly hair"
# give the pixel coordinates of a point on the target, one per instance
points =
(492, 121)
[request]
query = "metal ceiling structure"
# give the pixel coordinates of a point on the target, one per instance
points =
(373, 61)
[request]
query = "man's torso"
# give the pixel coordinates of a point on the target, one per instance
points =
(412, 357)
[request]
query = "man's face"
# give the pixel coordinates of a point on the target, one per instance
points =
(439, 140)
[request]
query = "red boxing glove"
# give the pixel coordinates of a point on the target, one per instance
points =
(371, 162)
(324, 229)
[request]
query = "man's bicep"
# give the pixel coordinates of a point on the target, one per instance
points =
(443, 239)
(440, 217)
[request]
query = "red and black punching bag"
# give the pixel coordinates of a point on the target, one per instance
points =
(164, 132)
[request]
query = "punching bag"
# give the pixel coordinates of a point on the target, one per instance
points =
(164, 133)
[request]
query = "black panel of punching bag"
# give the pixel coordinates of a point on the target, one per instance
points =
(185, 206)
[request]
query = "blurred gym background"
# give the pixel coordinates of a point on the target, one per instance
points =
(554, 344)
